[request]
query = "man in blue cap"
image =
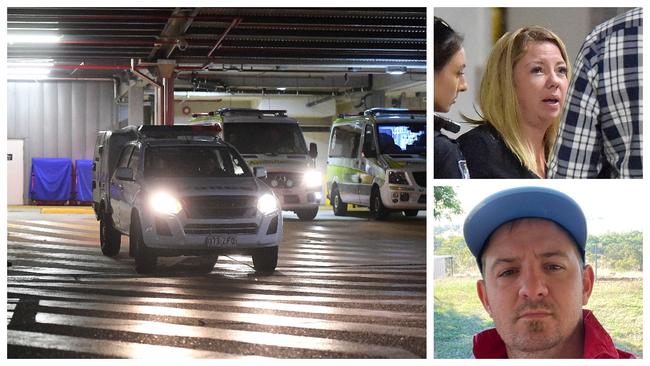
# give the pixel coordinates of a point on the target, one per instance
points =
(529, 243)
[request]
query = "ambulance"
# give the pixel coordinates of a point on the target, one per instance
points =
(270, 139)
(377, 159)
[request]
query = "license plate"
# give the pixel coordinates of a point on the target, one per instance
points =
(221, 241)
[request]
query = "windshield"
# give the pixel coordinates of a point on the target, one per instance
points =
(194, 162)
(265, 138)
(402, 138)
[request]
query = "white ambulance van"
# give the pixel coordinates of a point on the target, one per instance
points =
(270, 139)
(378, 160)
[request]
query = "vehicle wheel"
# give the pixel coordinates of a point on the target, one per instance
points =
(109, 238)
(340, 208)
(307, 214)
(410, 213)
(145, 258)
(265, 259)
(377, 209)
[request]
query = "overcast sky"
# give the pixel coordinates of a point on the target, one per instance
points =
(609, 205)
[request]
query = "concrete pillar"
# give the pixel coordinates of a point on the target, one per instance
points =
(136, 105)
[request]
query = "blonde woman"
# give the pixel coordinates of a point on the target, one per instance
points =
(521, 99)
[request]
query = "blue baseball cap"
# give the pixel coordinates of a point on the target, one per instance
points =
(520, 203)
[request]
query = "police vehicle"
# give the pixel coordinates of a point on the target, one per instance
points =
(180, 190)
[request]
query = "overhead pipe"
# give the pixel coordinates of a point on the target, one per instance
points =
(289, 92)
(164, 89)
(321, 100)
(235, 22)
(168, 101)
(325, 99)
(144, 65)
(179, 28)
(90, 67)
(135, 70)
(122, 42)
(138, 18)
(166, 76)
(359, 71)
(158, 116)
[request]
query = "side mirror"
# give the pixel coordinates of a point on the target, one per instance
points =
(260, 172)
(124, 174)
(313, 150)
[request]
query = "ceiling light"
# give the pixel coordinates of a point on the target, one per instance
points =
(396, 70)
(231, 69)
(27, 77)
(33, 38)
(281, 88)
(31, 65)
(29, 71)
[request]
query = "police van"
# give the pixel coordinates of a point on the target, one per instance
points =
(180, 190)
(270, 139)
(108, 146)
(377, 159)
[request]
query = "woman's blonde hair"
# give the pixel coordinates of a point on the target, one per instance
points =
(497, 96)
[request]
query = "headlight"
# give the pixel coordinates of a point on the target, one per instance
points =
(165, 203)
(313, 178)
(397, 178)
(267, 204)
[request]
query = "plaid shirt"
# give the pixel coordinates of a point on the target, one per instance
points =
(601, 130)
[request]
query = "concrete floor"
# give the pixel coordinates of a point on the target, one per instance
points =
(345, 287)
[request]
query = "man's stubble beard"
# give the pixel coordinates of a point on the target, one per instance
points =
(536, 326)
(533, 337)
(536, 340)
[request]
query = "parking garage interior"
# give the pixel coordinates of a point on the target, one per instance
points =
(343, 286)
(75, 71)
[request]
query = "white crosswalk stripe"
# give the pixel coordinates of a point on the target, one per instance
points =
(106, 348)
(11, 306)
(330, 297)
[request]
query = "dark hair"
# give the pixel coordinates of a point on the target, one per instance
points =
(446, 42)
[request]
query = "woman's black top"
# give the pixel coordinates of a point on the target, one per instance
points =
(488, 156)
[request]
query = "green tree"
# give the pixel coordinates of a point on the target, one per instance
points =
(616, 251)
(455, 246)
(445, 202)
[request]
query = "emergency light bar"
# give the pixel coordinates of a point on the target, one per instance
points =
(176, 131)
(235, 111)
(393, 111)
(385, 111)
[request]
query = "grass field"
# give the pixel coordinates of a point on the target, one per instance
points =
(458, 314)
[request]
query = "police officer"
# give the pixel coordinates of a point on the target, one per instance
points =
(449, 80)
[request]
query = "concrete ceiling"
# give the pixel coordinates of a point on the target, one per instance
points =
(252, 51)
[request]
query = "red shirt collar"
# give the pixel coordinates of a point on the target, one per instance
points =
(598, 343)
